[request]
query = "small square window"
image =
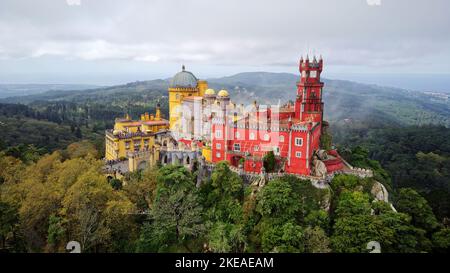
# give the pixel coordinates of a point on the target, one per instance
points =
(298, 154)
(237, 147)
(218, 155)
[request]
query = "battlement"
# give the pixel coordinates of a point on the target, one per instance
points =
(314, 64)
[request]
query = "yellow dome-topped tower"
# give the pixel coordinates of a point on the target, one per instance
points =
(210, 92)
(183, 84)
(223, 93)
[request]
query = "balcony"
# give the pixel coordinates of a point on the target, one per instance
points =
(124, 135)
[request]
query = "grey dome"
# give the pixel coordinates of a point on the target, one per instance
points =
(183, 79)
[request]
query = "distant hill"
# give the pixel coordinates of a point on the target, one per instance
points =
(97, 93)
(13, 90)
(257, 78)
(345, 101)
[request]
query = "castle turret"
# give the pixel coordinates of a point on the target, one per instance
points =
(183, 84)
(209, 96)
(223, 98)
(308, 104)
(158, 112)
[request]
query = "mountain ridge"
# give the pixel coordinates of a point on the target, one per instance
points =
(344, 100)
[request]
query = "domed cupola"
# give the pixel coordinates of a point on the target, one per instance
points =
(210, 92)
(223, 93)
(223, 98)
(183, 79)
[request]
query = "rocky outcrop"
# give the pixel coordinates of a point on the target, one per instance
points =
(322, 154)
(259, 181)
(325, 203)
(380, 193)
(319, 169)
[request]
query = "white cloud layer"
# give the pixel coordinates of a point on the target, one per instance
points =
(403, 34)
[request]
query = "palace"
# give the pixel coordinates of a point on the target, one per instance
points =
(183, 86)
(206, 124)
(292, 132)
(131, 138)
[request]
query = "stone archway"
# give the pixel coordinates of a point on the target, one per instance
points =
(187, 160)
(175, 160)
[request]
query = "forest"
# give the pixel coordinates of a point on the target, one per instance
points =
(48, 200)
(417, 157)
(53, 190)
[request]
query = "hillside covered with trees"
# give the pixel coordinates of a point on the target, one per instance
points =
(48, 200)
(52, 188)
(415, 157)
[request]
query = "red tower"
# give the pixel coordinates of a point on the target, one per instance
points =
(309, 105)
(293, 134)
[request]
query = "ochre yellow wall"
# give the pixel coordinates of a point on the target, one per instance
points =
(115, 147)
(153, 128)
(115, 144)
(207, 153)
(119, 125)
(176, 101)
(150, 158)
(110, 148)
(202, 86)
(122, 126)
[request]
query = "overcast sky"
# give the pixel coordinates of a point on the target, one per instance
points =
(115, 41)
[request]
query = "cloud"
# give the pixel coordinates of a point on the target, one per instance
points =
(233, 32)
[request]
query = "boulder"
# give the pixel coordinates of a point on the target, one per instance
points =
(319, 168)
(379, 192)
